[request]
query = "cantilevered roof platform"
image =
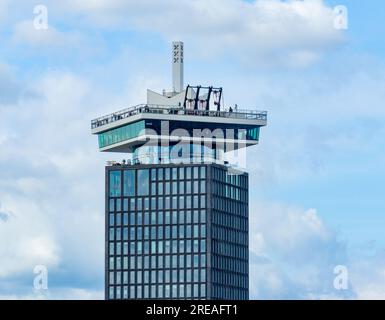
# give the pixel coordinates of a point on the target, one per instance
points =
(123, 130)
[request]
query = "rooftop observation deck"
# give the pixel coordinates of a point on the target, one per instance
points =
(106, 122)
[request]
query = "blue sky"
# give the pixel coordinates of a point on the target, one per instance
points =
(316, 177)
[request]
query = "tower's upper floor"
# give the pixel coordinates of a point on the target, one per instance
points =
(194, 116)
(122, 130)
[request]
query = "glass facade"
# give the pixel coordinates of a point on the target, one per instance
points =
(197, 129)
(176, 154)
(163, 224)
(229, 236)
(190, 129)
(120, 134)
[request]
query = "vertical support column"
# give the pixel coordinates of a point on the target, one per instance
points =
(177, 66)
(209, 214)
(106, 234)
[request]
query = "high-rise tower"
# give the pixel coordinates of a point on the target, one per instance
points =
(177, 206)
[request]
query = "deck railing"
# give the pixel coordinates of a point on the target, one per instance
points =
(176, 110)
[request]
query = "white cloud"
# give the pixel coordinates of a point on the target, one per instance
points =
(367, 274)
(292, 253)
(372, 291)
(3, 9)
(291, 33)
(26, 237)
(25, 33)
(9, 87)
(46, 186)
(4, 214)
(79, 294)
(57, 294)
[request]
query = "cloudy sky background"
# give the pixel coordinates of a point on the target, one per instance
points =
(316, 179)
